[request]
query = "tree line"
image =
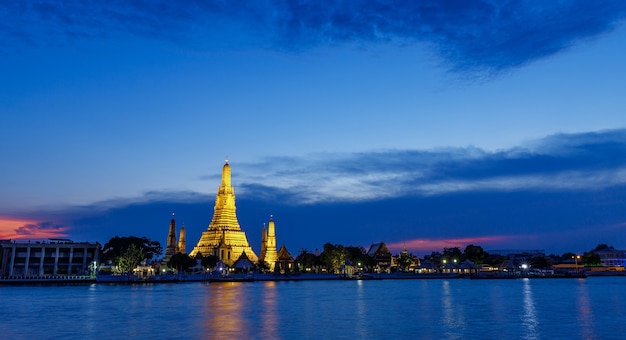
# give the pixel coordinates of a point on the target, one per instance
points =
(126, 253)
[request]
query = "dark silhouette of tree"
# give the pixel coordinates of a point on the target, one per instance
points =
(307, 260)
(358, 255)
(540, 261)
(262, 266)
(568, 257)
(475, 254)
(591, 259)
(435, 258)
(181, 262)
(451, 254)
(210, 261)
(602, 246)
(494, 259)
(117, 246)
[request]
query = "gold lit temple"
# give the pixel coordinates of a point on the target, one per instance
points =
(224, 237)
(268, 245)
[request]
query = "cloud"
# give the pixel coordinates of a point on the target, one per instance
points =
(15, 228)
(565, 192)
(564, 162)
(482, 37)
(424, 245)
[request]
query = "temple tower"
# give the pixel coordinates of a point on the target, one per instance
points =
(182, 243)
(270, 245)
(263, 243)
(224, 237)
(170, 249)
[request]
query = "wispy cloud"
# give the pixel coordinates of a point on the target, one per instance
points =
(589, 161)
(469, 36)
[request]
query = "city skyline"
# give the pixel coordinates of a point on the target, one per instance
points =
(436, 124)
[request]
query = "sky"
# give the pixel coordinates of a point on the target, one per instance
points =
(430, 124)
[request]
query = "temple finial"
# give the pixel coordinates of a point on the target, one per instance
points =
(226, 159)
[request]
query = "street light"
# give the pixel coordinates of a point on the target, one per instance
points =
(576, 258)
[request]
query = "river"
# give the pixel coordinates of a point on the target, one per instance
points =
(591, 308)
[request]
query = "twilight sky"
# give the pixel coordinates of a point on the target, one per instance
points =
(431, 123)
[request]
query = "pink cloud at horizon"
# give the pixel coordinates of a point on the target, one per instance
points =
(22, 229)
(429, 245)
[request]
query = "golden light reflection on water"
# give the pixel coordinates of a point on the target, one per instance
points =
(225, 311)
(228, 311)
(269, 314)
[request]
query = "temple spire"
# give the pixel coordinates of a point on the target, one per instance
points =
(182, 242)
(226, 174)
(170, 249)
(270, 244)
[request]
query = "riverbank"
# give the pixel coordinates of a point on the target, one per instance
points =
(251, 277)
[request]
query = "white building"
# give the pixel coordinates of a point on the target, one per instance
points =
(55, 257)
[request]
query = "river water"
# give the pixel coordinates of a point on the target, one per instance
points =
(592, 308)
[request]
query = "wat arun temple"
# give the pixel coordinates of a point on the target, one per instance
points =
(224, 237)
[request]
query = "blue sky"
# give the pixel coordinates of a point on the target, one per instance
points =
(435, 123)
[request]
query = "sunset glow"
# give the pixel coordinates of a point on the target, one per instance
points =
(17, 229)
(428, 245)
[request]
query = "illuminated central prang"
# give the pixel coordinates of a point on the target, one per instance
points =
(224, 237)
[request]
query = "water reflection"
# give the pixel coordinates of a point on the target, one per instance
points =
(529, 319)
(269, 316)
(585, 315)
(453, 314)
(361, 311)
(224, 311)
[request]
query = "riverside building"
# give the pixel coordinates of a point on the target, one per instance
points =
(55, 257)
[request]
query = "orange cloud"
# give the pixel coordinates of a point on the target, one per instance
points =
(11, 228)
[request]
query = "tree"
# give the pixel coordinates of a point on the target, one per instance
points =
(333, 256)
(262, 266)
(568, 257)
(405, 260)
(117, 246)
(435, 258)
(591, 259)
(602, 246)
(451, 254)
(209, 261)
(129, 259)
(307, 260)
(358, 255)
(181, 262)
(540, 261)
(475, 254)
